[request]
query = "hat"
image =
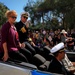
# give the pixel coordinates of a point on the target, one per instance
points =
(57, 47)
(36, 31)
(63, 31)
(29, 39)
(26, 14)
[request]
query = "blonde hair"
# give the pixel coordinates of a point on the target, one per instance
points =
(10, 13)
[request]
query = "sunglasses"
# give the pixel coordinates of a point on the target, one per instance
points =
(13, 17)
(25, 17)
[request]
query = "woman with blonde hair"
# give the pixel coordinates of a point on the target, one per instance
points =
(10, 46)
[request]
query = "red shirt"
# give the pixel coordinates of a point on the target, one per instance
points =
(8, 35)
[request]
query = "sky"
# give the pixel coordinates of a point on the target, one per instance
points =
(16, 5)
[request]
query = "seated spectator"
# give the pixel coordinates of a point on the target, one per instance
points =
(33, 46)
(46, 48)
(70, 66)
(63, 36)
(70, 43)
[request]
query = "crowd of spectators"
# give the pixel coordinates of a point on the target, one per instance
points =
(57, 36)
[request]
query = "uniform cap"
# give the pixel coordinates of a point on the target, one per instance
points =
(57, 47)
(26, 14)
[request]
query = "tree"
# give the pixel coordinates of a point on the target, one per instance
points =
(67, 9)
(31, 7)
(60, 9)
(3, 9)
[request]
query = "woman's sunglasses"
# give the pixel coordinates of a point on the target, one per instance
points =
(13, 17)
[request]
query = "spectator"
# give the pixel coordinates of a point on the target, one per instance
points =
(70, 66)
(63, 36)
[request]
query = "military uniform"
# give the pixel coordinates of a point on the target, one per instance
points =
(56, 65)
(22, 31)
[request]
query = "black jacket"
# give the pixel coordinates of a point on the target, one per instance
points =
(22, 35)
(56, 67)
